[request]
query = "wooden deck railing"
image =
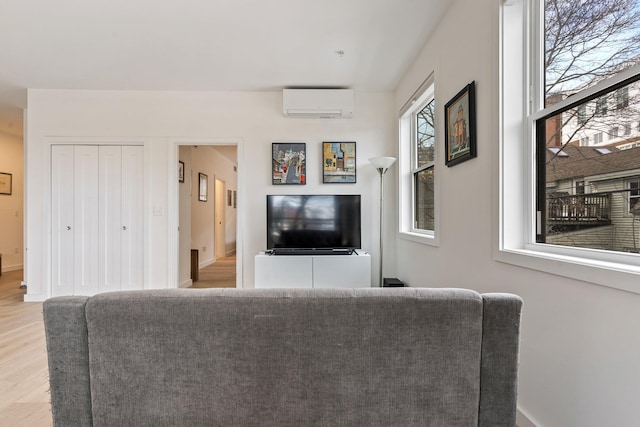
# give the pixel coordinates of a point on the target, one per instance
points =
(579, 208)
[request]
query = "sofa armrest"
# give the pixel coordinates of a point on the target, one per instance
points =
(499, 360)
(68, 353)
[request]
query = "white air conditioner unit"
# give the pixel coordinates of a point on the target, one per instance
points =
(318, 103)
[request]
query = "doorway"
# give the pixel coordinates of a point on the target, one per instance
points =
(207, 215)
(12, 196)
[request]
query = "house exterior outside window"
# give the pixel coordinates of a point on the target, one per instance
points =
(593, 220)
(634, 197)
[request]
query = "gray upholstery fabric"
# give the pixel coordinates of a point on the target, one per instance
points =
(298, 357)
(68, 357)
(498, 380)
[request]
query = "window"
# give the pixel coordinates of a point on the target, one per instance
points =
(613, 133)
(417, 166)
(597, 138)
(566, 219)
(622, 98)
(582, 114)
(601, 106)
(423, 171)
(557, 96)
(634, 197)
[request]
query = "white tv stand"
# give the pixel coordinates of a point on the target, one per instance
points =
(313, 271)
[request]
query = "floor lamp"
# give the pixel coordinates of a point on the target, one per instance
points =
(382, 164)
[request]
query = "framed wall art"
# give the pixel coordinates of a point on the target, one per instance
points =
(339, 162)
(6, 183)
(203, 191)
(288, 163)
(460, 126)
(180, 171)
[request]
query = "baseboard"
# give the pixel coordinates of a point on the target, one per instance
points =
(34, 298)
(206, 263)
(8, 268)
(186, 284)
(524, 420)
(231, 252)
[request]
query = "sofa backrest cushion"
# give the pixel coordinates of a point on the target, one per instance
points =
(374, 357)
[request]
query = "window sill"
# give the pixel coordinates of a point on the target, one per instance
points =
(425, 239)
(610, 274)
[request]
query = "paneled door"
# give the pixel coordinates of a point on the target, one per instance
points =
(132, 208)
(121, 187)
(96, 199)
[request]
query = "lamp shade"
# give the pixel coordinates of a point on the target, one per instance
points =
(382, 162)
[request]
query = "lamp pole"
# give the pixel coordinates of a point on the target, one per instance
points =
(382, 164)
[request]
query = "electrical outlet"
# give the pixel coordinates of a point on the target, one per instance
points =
(204, 249)
(17, 250)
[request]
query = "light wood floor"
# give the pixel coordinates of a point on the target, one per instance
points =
(220, 274)
(24, 381)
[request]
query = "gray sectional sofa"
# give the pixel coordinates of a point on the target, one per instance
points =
(271, 357)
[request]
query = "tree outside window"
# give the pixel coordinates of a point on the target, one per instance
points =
(589, 44)
(424, 168)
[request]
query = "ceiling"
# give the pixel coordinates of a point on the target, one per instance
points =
(202, 45)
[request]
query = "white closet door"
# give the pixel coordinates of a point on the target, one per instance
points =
(86, 243)
(97, 218)
(62, 223)
(110, 217)
(132, 218)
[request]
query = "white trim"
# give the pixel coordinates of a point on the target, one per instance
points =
(524, 420)
(186, 284)
(425, 239)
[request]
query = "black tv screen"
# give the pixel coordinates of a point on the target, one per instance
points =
(313, 221)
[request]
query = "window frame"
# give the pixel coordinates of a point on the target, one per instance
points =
(622, 98)
(519, 107)
(634, 193)
(408, 165)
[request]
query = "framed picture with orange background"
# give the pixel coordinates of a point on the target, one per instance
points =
(339, 162)
(460, 126)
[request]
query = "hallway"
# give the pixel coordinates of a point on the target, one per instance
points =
(220, 274)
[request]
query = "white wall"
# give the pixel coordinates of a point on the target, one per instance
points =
(161, 121)
(12, 206)
(579, 347)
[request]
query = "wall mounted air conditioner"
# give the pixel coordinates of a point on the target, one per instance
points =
(318, 103)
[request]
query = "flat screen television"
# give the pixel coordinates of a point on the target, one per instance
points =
(299, 222)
